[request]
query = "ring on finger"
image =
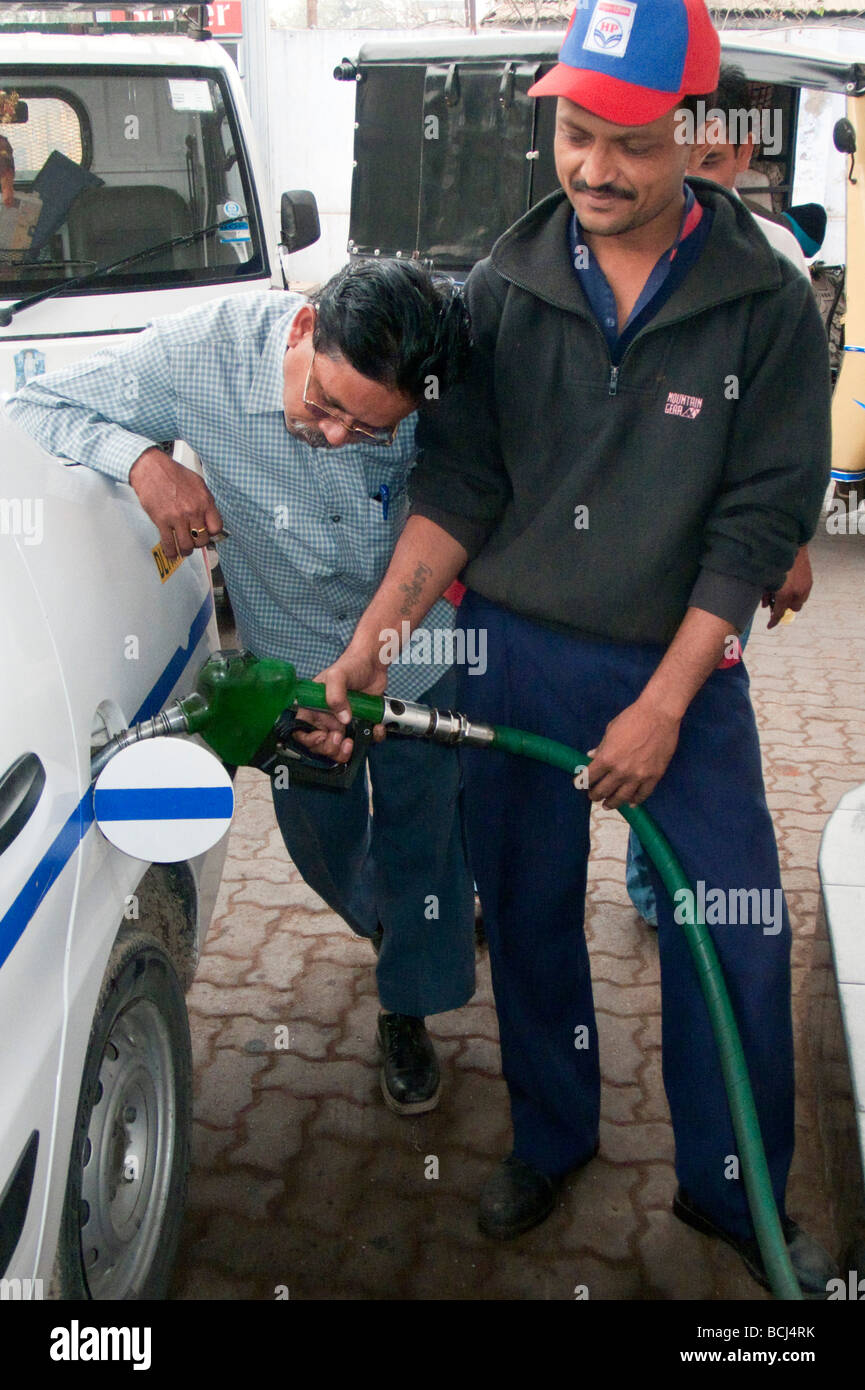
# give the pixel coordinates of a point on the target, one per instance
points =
(196, 531)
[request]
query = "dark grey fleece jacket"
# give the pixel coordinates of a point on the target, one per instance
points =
(702, 462)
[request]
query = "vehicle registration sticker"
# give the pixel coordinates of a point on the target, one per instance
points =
(165, 566)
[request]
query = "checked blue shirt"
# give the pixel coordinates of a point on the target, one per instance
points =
(309, 540)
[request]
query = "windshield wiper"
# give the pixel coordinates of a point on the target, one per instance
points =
(7, 314)
(7, 259)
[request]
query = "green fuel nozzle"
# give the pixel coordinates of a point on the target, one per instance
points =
(234, 704)
(238, 700)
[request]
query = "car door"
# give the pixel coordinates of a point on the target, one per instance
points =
(41, 822)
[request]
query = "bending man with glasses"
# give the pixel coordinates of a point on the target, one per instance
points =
(302, 415)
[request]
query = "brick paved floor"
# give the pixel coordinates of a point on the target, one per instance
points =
(302, 1178)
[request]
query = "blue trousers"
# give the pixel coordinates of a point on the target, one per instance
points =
(637, 879)
(529, 841)
(404, 866)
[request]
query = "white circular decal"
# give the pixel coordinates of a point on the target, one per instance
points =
(163, 800)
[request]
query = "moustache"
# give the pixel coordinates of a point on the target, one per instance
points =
(607, 189)
(311, 436)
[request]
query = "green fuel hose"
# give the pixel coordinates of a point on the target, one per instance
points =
(758, 1187)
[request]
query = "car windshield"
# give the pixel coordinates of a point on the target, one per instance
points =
(98, 163)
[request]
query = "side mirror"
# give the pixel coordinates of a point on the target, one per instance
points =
(844, 140)
(299, 219)
(844, 136)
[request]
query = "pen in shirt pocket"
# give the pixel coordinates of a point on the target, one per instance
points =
(383, 496)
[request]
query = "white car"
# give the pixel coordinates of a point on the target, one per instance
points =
(96, 948)
(118, 144)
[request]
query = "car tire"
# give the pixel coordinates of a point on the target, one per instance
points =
(126, 1186)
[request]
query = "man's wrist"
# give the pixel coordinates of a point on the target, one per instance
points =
(146, 462)
(365, 648)
(664, 702)
(693, 654)
(375, 633)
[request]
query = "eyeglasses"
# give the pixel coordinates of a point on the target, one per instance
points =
(383, 435)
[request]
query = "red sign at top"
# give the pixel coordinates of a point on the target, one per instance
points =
(224, 17)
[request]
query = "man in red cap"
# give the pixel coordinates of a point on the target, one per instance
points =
(638, 450)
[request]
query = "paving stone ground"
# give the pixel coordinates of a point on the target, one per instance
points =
(302, 1178)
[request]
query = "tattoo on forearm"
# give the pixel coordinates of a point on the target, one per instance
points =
(414, 590)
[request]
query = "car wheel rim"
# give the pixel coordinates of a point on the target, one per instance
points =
(128, 1154)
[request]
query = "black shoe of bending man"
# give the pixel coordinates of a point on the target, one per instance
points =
(410, 1080)
(812, 1265)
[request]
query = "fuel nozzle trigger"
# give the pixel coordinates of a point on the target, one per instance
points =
(279, 752)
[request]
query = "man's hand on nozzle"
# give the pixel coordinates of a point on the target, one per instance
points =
(178, 502)
(351, 671)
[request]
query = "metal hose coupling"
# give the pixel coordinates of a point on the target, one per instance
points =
(442, 726)
(171, 720)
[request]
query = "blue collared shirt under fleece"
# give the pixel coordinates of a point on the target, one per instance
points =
(309, 536)
(667, 274)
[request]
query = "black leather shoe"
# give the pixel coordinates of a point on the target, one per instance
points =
(410, 1081)
(812, 1265)
(514, 1199)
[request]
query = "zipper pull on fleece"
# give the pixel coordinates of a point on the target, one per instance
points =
(614, 380)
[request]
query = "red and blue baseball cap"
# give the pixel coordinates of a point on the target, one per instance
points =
(630, 61)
